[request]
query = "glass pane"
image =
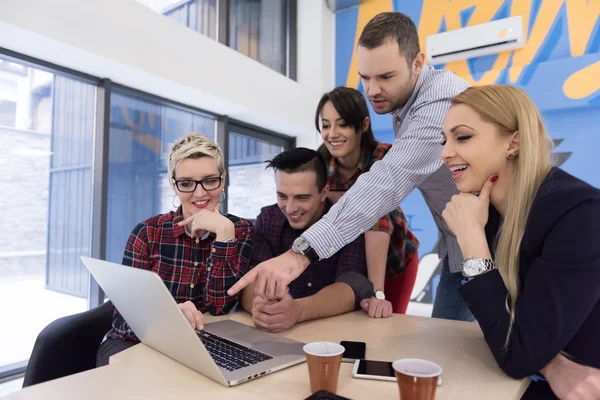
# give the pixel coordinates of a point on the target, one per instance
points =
(251, 186)
(258, 29)
(199, 15)
(46, 137)
(141, 131)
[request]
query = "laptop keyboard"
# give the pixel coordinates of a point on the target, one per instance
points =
(230, 355)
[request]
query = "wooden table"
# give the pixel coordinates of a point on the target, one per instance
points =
(470, 371)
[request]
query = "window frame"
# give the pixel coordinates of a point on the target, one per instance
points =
(254, 132)
(224, 125)
(291, 48)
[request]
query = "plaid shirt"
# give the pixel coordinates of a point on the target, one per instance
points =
(403, 243)
(199, 270)
(274, 236)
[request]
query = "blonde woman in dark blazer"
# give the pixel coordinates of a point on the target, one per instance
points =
(529, 234)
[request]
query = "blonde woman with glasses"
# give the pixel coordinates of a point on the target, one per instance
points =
(529, 234)
(198, 252)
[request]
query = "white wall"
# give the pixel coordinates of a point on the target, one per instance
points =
(135, 46)
(316, 53)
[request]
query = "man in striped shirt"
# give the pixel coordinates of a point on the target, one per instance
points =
(396, 81)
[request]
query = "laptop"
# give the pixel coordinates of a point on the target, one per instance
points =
(227, 352)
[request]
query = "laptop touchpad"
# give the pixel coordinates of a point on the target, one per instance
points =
(270, 345)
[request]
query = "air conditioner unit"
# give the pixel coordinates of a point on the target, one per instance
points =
(475, 41)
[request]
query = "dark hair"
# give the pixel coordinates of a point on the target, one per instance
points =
(301, 159)
(395, 26)
(352, 107)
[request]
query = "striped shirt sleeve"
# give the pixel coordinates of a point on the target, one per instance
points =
(414, 156)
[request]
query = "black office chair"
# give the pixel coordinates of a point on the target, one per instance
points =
(68, 345)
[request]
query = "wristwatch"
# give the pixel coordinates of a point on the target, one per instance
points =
(301, 246)
(379, 295)
(472, 267)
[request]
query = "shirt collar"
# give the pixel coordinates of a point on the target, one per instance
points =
(363, 162)
(400, 113)
(333, 167)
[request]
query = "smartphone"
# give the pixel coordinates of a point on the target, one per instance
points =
(354, 351)
(325, 395)
(378, 370)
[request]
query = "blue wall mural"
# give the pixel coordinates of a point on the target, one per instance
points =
(559, 67)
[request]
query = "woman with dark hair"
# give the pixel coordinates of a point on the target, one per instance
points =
(350, 149)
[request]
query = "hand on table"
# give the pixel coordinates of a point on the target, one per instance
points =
(376, 308)
(274, 315)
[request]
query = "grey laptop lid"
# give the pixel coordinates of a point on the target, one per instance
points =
(152, 313)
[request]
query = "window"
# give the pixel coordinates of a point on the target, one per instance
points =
(59, 200)
(8, 113)
(15, 68)
(45, 176)
(261, 29)
(9, 88)
(258, 29)
(141, 130)
(199, 15)
(251, 186)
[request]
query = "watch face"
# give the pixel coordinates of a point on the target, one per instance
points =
(300, 244)
(379, 295)
(471, 267)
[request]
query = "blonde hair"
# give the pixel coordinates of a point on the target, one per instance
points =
(511, 110)
(194, 145)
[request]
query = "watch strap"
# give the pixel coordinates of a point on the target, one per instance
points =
(488, 265)
(311, 254)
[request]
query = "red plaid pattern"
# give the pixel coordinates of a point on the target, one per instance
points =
(199, 270)
(403, 243)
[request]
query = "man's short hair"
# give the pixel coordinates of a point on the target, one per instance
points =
(301, 159)
(392, 26)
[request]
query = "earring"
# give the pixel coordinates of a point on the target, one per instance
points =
(510, 156)
(222, 197)
(173, 202)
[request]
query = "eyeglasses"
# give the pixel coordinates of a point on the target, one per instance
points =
(188, 185)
